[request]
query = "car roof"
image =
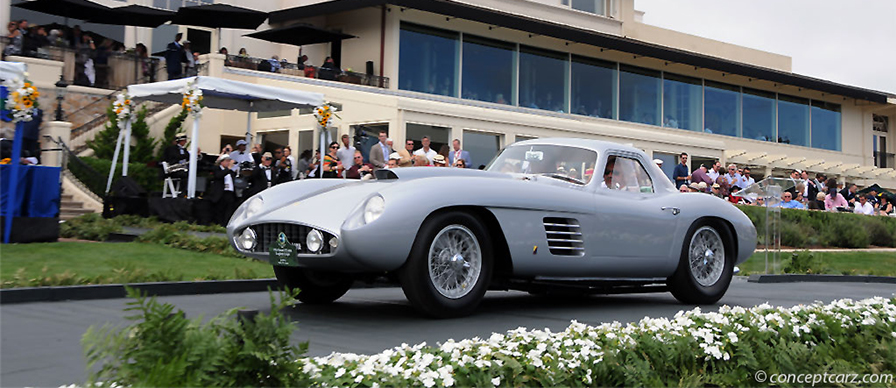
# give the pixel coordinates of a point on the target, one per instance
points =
(597, 145)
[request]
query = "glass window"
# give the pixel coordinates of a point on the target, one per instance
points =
(793, 120)
(669, 162)
(592, 6)
(274, 113)
(721, 112)
(626, 174)
(682, 102)
(571, 164)
(543, 79)
(519, 138)
(593, 87)
(306, 142)
(481, 146)
(438, 136)
(639, 95)
(826, 125)
(759, 115)
(428, 60)
(488, 70)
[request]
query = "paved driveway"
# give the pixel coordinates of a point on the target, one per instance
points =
(40, 341)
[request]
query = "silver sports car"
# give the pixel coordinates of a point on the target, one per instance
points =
(537, 219)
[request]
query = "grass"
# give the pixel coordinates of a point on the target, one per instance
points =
(67, 263)
(839, 263)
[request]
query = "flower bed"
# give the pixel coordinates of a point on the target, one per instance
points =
(694, 348)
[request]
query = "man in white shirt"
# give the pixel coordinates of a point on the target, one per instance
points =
(746, 180)
(347, 152)
(429, 153)
(863, 206)
(713, 172)
(240, 155)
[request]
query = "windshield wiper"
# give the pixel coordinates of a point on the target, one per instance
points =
(563, 177)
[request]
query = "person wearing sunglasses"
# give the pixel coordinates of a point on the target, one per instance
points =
(332, 165)
(359, 169)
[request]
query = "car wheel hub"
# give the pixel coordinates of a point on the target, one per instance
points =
(455, 261)
(706, 256)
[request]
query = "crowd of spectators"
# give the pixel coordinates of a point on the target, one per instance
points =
(818, 193)
(91, 51)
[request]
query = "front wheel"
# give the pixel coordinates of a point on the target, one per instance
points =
(706, 266)
(450, 266)
(314, 287)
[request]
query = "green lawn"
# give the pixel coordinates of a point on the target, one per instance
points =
(67, 263)
(857, 263)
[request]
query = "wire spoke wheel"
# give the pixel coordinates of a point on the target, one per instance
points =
(454, 261)
(706, 256)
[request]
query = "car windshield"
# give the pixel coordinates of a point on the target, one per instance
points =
(572, 164)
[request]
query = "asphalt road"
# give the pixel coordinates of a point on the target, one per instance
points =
(41, 341)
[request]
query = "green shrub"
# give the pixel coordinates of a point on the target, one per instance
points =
(805, 263)
(846, 232)
(878, 232)
(169, 234)
(103, 145)
(793, 235)
(144, 175)
(165, 349)
(88, 227)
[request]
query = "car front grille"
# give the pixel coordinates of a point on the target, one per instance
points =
(564, 236)
(266, 235)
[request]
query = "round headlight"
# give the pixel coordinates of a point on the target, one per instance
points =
(247, 240)
(254, 206)
(314, 241)
(334, 242)
(374, 209)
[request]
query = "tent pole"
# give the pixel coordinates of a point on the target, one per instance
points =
(114, 161)
(127, 147)
(11, 187)
(249, 126)
(323, 150)
(194, 148)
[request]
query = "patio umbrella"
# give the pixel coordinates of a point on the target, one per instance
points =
(299, 35)
(75, 9)
(220, 16)
(876, 188)
(133, 15)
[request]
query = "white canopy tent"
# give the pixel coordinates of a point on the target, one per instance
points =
(220, 94)
(12, 70)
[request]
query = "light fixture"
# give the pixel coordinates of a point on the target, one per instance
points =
(314, 241)
(61, 86)
(247, 240)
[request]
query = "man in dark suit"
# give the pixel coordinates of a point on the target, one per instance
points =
(175, 57)
(221, 190)
(176, 153)
(262, 177)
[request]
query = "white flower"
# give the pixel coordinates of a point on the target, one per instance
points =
(496, 381)
(340, 372)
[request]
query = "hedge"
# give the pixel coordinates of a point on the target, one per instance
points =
(803, 229)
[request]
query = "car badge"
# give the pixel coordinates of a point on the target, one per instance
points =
(282, 240)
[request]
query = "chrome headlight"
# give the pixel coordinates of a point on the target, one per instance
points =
(247, 240)
(314, 241)
(373, 209)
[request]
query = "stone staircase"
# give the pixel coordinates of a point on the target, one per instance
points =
(70, 208)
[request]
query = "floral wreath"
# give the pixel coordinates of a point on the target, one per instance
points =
(124, 107)
(192, 101)
(324, 114)
(22, 100)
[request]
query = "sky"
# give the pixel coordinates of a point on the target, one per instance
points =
(848, 42)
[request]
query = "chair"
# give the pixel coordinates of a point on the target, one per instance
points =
(171, 187)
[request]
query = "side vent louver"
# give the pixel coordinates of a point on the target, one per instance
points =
(564, 236)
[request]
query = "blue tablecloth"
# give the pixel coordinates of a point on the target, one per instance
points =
(37, 194)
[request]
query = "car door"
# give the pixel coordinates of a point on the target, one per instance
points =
(634, 226)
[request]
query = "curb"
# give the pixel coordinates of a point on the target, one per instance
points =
(116, 291)
(793, 278)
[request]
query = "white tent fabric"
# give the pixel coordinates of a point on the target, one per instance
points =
(220, 93)
(10, 70)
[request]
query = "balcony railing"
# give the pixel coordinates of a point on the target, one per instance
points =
(119, 70)
(884, 160)
(308, 71)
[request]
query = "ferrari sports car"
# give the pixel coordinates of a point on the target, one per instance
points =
(538, 219)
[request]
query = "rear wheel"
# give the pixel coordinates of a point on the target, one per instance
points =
(450, 266)
(706, 265)
(315, 287)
